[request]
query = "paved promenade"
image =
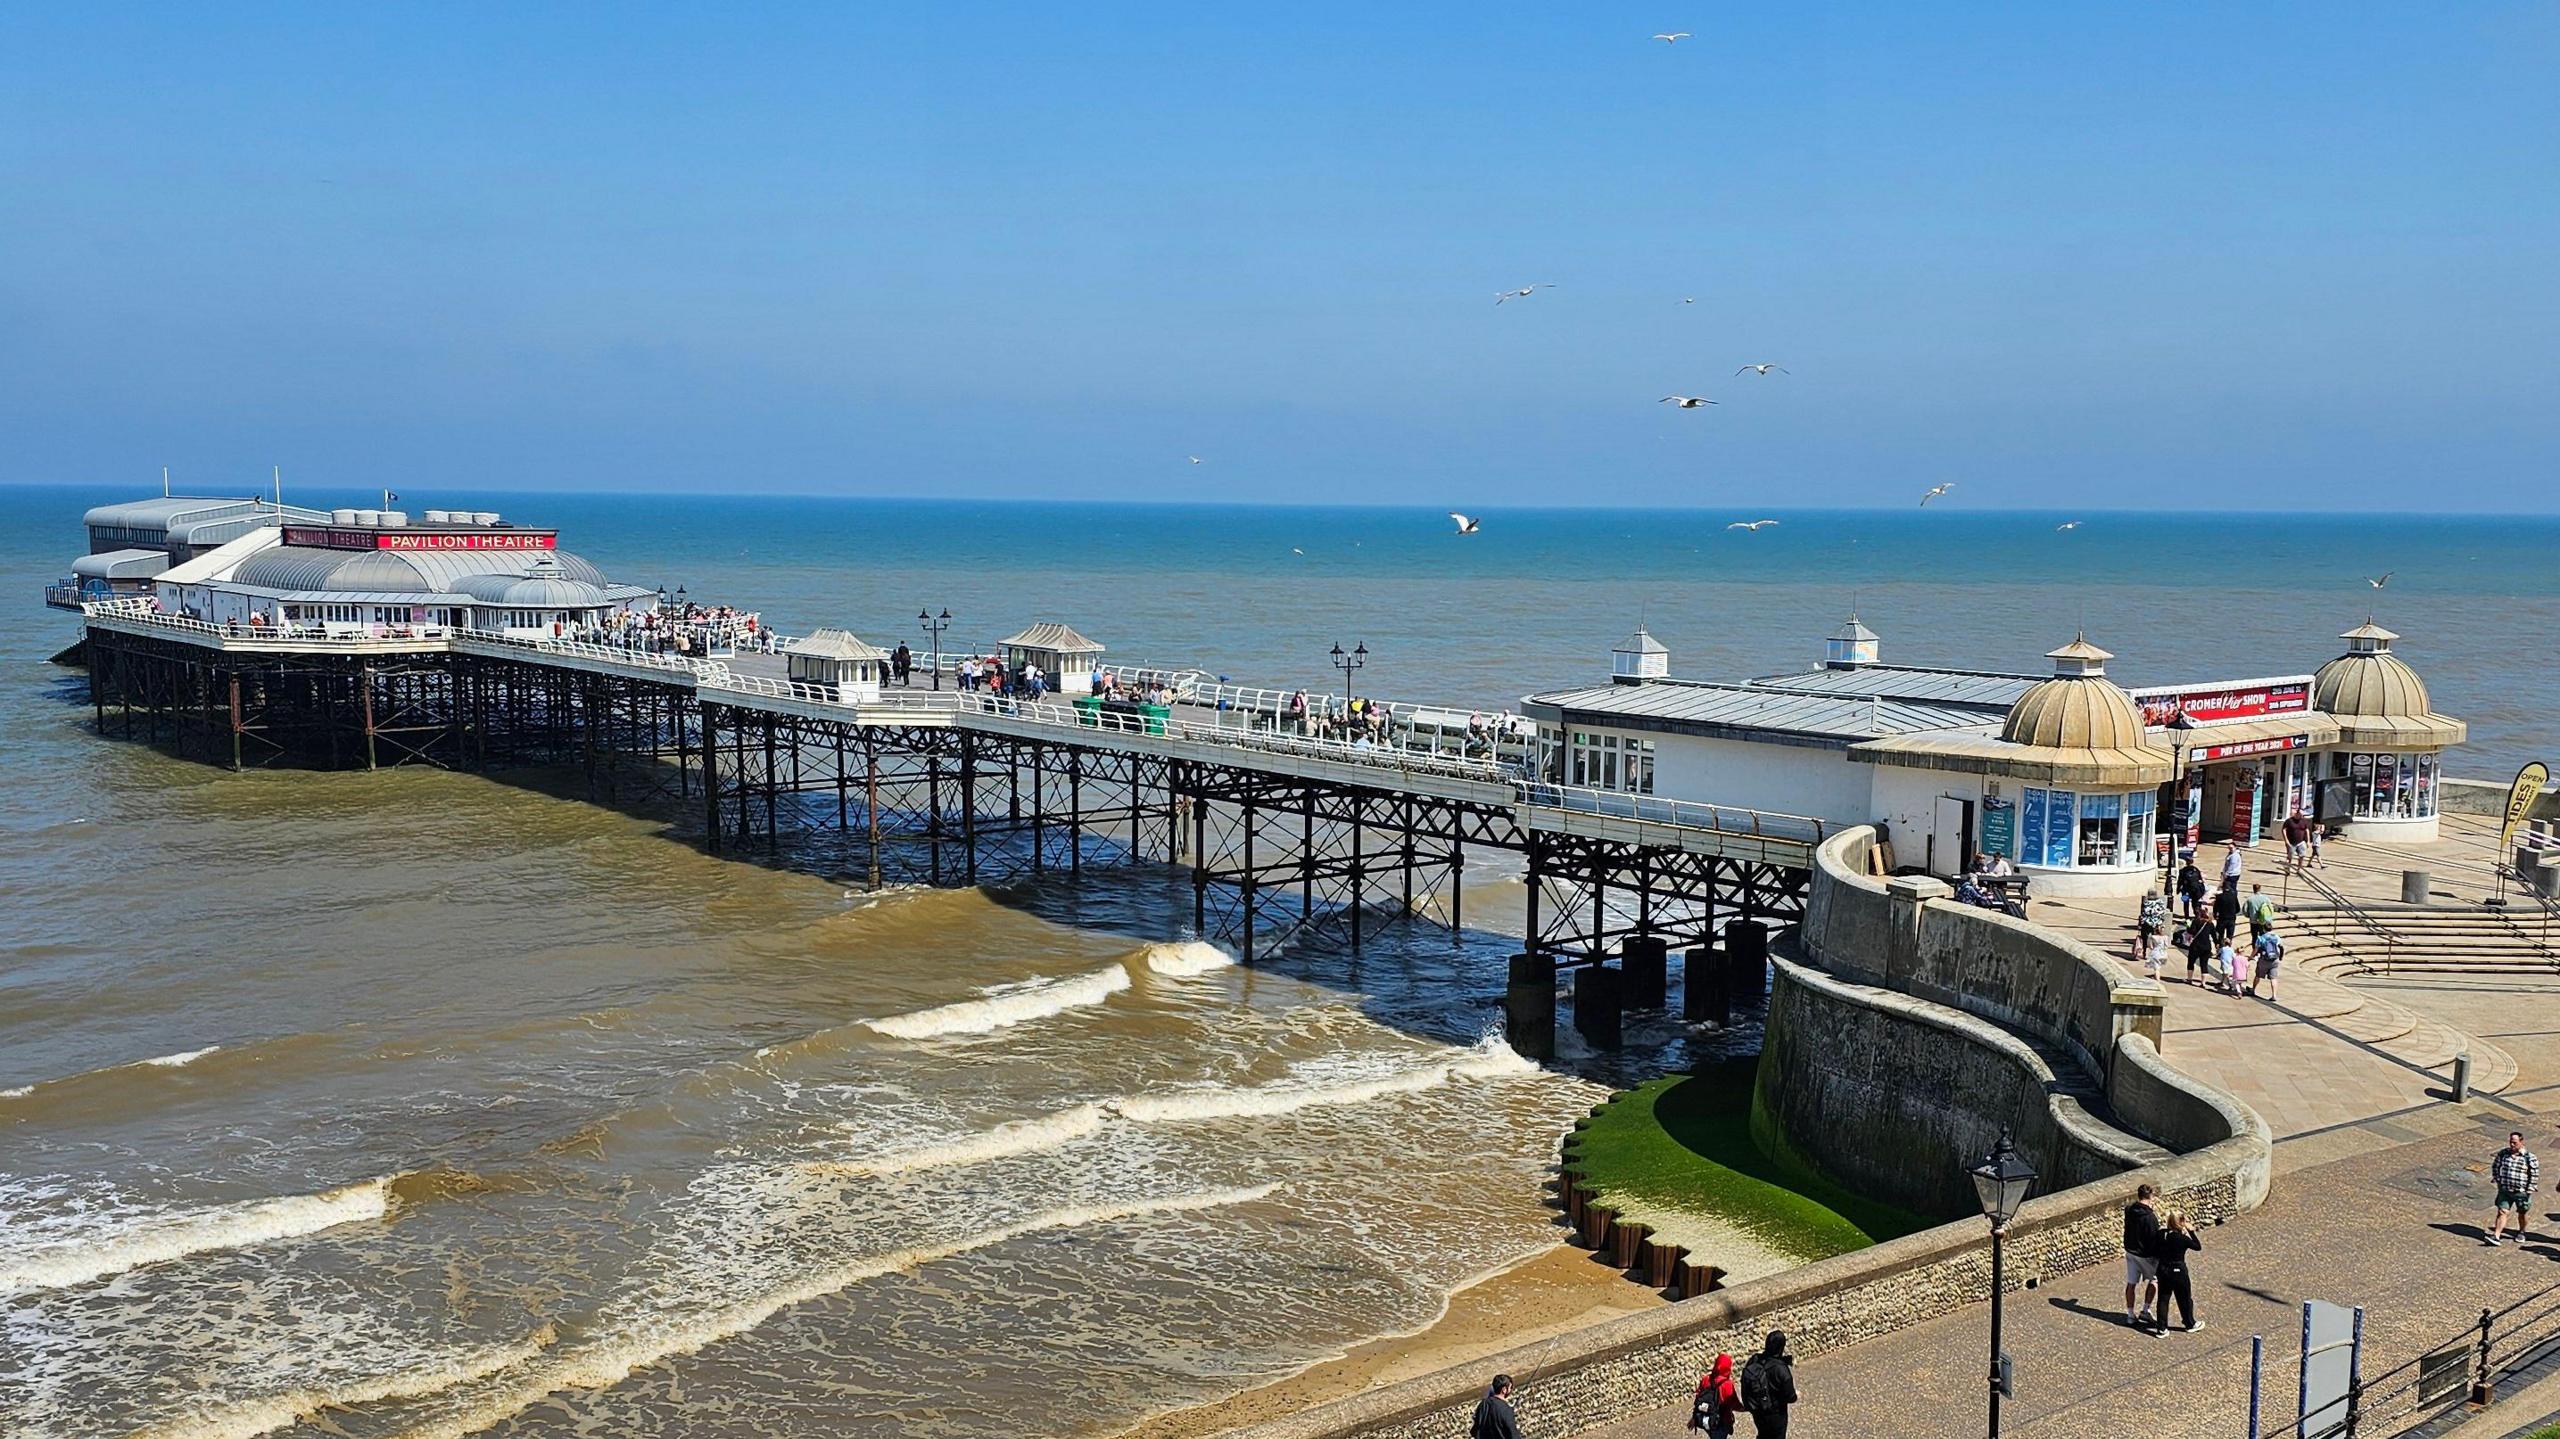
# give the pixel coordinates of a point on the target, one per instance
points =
(2394, 1229)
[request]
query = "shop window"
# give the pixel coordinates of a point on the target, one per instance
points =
(2392, 786)
(2101, 829)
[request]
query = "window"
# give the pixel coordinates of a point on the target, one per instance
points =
(2101, 828)
(2390, 786)
(2059, 829)
(1608, 761)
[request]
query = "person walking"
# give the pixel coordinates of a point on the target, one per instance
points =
(2260, 910)
(2226, 913)
(2191, 887)
(2177, 1240)
(2297, 839)
(2231, 870)
(2269, 948)
(2516, 1172)
(903, 662)
(1768, 1386)
(2200, 947)
(1719, 1399)
(1494, 1416)
(2141, 1255)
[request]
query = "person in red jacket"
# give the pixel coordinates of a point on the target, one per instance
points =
(1718, 1400)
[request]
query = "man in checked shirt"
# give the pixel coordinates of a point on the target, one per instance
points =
(2516, 1173)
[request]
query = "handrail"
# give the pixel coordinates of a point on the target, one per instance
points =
(2369, 1398)
(2550, 909)
(2340, 905)
(1687, 814)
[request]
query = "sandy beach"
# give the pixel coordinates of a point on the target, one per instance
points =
(1548, 1293)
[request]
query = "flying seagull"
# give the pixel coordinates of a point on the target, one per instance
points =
(1195, 459)
(1935, 491)
(1688, 299)
(2068, 525)
(1466, 526)
(1672, 37)
(1686, 402)
(1293, 549)
(1751, 525)
(1522, 293)
(2383, 579)
(1763, 370)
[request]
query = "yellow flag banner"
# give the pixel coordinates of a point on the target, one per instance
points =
(2528, 788)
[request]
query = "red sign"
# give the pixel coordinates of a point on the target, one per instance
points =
(2255, 746)
(2217, 704)
(408, 539)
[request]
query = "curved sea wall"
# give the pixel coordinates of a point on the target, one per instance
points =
(1903, 1024)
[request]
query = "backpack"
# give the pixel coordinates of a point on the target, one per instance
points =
(1758, 1394)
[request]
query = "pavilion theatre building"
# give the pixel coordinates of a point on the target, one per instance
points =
(2081, 783)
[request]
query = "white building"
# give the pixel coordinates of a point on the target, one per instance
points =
(2079, 782)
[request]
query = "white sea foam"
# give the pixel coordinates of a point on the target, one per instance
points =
(176, 1061)
(1488, 1061)
(656, 1335)
(998, 1008)
(21, 1092)
(1187, 960)
(1022, 1136)
(160, 1238)
(266, 1413)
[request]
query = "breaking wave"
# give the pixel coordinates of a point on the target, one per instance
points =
(1022, 1136)
(165, 1237)
(181, 1059)
(658, 1335)
(999, 1008)
(1188, 959)
(1489, 1060)
(266, 1413)
(166, 1061)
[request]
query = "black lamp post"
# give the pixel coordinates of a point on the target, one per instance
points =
(2002, 1180)
(1346, 663)
(934, 626)
(662, 596)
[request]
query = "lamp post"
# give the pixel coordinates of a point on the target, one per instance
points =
(1346, 663)
(934, 626)
(2001, 1180)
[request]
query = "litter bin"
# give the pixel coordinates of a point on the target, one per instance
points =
(1089, 711)
(2413, 886)
(1155, 716)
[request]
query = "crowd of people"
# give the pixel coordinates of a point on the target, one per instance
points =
(684, 629)
(2206, 931)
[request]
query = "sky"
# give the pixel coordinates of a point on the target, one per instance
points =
(2284, 256)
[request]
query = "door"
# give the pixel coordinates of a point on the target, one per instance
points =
(1951, 837)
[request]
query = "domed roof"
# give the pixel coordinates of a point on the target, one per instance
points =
(433, 572)
(2079, 708)
(2368, 681)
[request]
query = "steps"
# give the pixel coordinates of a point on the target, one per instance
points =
(2432, 939)
(2313, 989)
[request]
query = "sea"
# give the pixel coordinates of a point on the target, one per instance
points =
(413, 1103)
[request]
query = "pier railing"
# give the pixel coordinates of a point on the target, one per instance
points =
(1683, 813)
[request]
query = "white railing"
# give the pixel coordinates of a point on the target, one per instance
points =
(1172, 726)
(587, 649)
(1683, 813)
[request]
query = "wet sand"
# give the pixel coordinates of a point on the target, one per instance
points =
(1552, 1292)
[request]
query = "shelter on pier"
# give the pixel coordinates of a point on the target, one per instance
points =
(837, 661)
(1067, 658)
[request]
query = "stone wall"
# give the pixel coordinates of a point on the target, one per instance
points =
(2489, 797)
(1884, 1092)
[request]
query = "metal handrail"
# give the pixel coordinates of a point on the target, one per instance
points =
(2370, 1398)
(2549, 908)
(2342, 907)
(1684, 813)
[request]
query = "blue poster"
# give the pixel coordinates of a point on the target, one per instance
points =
(2058, 829)
(2031, 827)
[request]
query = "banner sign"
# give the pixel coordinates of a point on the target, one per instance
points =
(2000, 827)
(2249, 747)
(2520, 798)
(2224, 703)
(407, 539)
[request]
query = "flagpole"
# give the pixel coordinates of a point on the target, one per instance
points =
(279, 487)
(164, 482)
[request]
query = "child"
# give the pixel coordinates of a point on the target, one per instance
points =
(1717, 1402)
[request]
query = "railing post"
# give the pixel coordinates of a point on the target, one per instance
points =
(2480, 1381)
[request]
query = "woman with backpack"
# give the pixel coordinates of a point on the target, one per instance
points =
(1717, 1402)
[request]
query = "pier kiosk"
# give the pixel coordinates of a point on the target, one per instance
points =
(846, 667)
(1067, 658)
(2380, 779)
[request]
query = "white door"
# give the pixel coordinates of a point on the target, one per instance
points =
(1948, 834)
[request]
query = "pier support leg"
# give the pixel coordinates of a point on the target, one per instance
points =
(1529, 1007)
(710, 781)
(1746, 955)
(969, 811)
(364, 698)
(1248, 882)
(1599, 1005)
(1356, 886)
(1646, 961)
(1075, 813)
(1706, 991)
(235, 720)
(871, 803)
(1457, 884)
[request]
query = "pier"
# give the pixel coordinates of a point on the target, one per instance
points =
(953, 787)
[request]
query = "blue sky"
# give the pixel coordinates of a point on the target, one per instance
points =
(2185, 255)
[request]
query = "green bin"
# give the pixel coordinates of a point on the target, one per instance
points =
(1089, 711)
(1155, 716)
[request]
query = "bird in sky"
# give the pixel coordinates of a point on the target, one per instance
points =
(1934, 492)
(1763, 370)
(1293, 549)
(1466, 526)
(1522, 293)
(1195, 459)
(1751, 525)
(2068, 525)
(1686, 402)
(2378, 581)
(1672, 37)
(1688, 299)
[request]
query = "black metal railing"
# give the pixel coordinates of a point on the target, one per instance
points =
(2461, 1368)
(2341, 911)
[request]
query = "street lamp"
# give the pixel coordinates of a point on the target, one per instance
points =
(934, 626)
(662, 596)
(1346, 663)
(2001, 1180)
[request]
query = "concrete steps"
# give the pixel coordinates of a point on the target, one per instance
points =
(2312, 988)
(2435, 939)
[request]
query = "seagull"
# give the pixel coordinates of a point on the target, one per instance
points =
(1522, 293)
(1293, 549)
(1688, 299)
(2383, 579)
(1195, 459)
(1751, 525)
(2068, 525)
(1466, 526)
(1686, 402)
(1934, 492)
(1672, 37)
(1764, 369)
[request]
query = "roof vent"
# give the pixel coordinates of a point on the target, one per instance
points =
(1852, 646)
(1639, 659)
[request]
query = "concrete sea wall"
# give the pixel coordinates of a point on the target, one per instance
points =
(1878, 1081)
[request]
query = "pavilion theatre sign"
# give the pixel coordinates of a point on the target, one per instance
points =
(406, 539)
(2199, 705)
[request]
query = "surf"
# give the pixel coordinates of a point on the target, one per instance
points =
(265, 1413)
(1002, 1008)
(160, 1238)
